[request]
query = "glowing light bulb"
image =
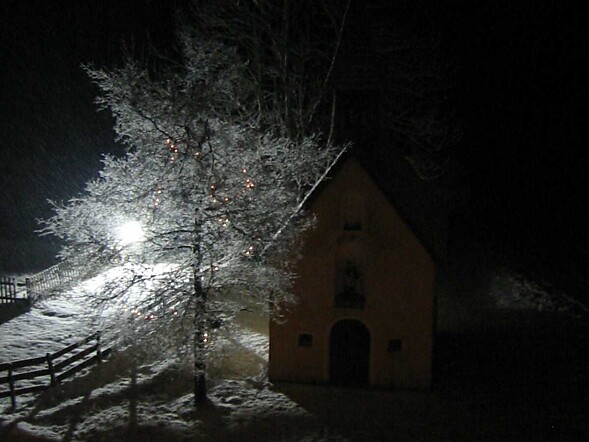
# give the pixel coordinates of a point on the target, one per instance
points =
(130, 232)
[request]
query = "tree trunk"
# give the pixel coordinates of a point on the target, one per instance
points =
(200, 307)
(200, 389)
(199, 350)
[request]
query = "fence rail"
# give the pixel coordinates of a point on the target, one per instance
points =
(56, 370)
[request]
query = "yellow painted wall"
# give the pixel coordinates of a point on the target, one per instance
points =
(398, 284)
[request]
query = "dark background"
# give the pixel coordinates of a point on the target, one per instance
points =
(52, 136)
(523, 70)
(520, 92)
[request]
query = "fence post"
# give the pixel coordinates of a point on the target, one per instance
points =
(29, 288)
(98, 351)
(11, 386)
(51, 369)
(13, 288)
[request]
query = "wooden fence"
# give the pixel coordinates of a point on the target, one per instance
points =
(57, 367)
(45, 282)
(14, 301)
(9, 293)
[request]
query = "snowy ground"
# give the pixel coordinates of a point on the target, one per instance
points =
(495, 386)
(44, 329)
(150, 402)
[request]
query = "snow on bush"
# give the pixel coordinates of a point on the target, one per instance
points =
(513, 290)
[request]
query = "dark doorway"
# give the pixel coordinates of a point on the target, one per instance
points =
(349, 353)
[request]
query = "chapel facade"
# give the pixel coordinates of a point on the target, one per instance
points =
(365, 290)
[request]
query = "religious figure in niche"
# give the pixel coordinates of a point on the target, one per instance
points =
(350, 287)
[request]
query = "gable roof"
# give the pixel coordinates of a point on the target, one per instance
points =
(409, 219)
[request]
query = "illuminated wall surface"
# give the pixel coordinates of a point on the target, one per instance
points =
(365, 291)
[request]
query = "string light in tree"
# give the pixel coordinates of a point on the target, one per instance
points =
(249, 184)
(213, 192)
(223, 221)
(249, 251)
(171, 146)
(156, 198)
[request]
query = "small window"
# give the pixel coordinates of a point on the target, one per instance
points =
(394, 345)
(352, 212)
(351, 227)
(305, 340)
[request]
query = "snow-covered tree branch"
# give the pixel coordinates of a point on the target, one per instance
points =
(190, 215)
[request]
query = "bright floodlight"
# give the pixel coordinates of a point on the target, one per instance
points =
(129, 233)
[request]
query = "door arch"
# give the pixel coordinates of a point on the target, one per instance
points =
(349, 353)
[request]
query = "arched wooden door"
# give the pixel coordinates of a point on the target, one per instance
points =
(349, 353)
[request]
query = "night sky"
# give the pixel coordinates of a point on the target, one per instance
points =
(52, 135)
(523, 71)
(521, 85)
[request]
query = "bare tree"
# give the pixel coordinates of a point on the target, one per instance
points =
(302, 54)
(205, 204)
(290, 49)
